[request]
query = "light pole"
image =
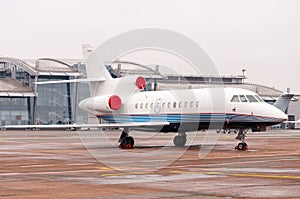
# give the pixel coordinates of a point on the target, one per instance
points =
(243, 71)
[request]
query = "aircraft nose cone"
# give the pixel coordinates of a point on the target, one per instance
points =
(284, 117)
(281, 116)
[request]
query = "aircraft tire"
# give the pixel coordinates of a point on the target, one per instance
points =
(130, 141)
(179, 140)
(242, 146)
(127, 143)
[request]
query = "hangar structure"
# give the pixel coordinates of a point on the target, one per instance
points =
(24, 102)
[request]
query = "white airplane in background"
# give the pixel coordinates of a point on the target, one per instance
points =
(122, 102)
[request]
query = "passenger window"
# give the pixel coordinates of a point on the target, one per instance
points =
(191, 104)
(136, 105)
(179, 104)
(151, 105)
(163, 104)
(251, 98)
(259, 98)
(197, 104)
(146, 105)
(235, 98)
(185, 104)
(243, 98)
(174, 105)
(141, 106)
(169, 104)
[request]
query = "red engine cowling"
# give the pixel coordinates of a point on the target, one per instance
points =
(106, 103)
(140, 83)
(114, 102)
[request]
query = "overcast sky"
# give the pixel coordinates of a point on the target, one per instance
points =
(261, 36)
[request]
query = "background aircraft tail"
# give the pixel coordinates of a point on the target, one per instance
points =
(283, 101)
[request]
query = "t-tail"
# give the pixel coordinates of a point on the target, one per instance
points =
(94, 69)
(109, 91)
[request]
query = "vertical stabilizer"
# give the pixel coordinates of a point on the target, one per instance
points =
(283, 101)
(86, 50)
(95, 68)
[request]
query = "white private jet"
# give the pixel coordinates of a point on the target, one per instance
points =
(123, 103)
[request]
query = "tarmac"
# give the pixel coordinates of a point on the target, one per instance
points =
(89, 164)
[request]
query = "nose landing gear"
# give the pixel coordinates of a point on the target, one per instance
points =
(241, 136)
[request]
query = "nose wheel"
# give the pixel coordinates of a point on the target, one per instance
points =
(242, 146)
(180, 139)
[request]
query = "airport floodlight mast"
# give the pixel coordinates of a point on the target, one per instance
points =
(243, 71)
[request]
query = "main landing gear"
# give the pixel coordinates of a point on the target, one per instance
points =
(126, 141)
(180, 139)
(241, 136)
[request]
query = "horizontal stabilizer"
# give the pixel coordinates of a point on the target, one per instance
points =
(86, 80)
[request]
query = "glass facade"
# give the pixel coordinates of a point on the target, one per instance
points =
(13, 111)
(55, 103)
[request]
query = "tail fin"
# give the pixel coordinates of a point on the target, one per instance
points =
(283, 101)
(95, 68)
(86, 50)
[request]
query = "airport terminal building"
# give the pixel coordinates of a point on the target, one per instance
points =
(25, 102)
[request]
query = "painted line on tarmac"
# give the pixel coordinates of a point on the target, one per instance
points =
(197, 172)
(153, 160)
(37, 165)
(128, 173)
(264, 176)
(230, 163)
(240, 174)
(80, 164)
(47, 172)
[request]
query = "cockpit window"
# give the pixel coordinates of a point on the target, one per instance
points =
(251, 98)
(243, 98)
(259, 98)
(235, 98)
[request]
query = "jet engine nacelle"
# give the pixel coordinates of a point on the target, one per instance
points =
(104, 103)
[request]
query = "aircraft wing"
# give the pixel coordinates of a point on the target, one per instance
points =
(111, 125)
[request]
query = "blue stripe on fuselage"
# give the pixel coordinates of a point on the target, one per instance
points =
(194, 117)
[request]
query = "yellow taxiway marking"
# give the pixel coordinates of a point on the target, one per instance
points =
(105, 168)
(264, 176)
